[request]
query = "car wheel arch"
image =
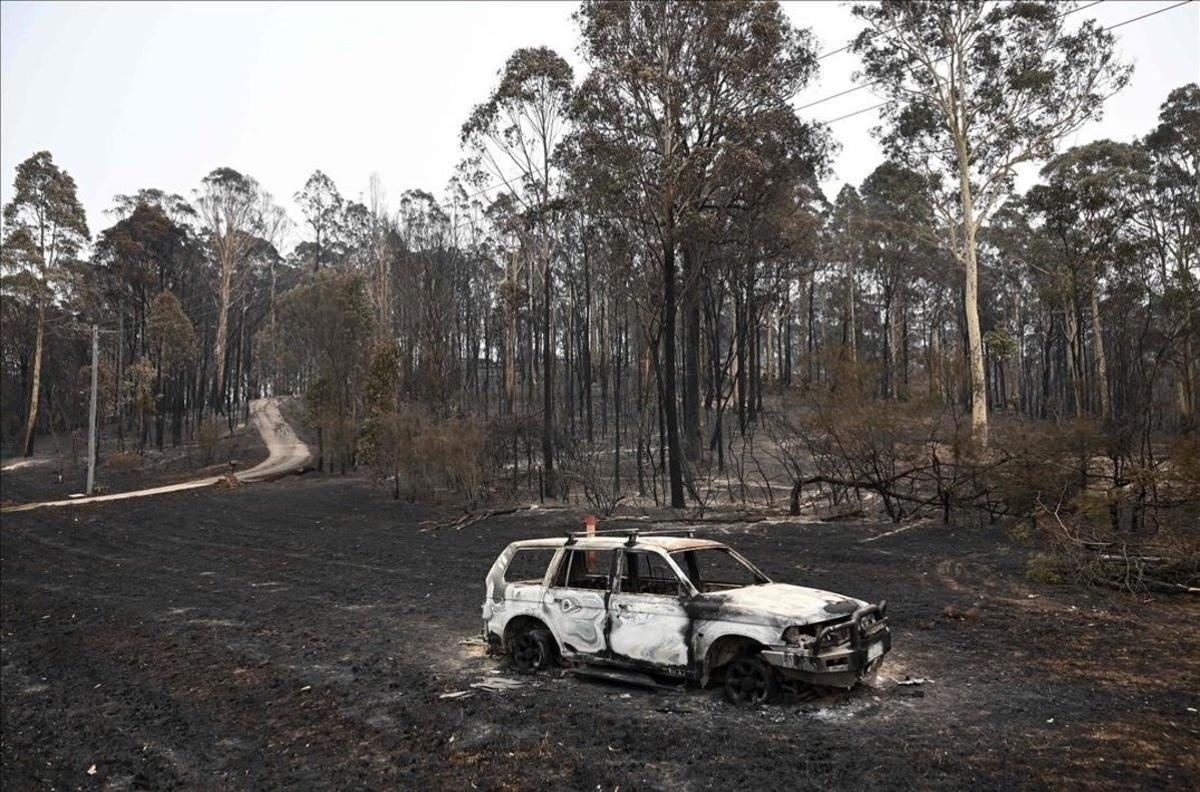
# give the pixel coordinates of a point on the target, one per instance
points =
(724, 650)
(523, 623)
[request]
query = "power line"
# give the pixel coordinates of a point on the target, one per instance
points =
(1144, 16)
(850, 44)
(858, 112)
(864, 86)
(890, 101)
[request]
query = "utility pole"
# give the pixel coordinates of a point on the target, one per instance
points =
(91, 478)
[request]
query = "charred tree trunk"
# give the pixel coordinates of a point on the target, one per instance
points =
(691, 354)
(35, 390)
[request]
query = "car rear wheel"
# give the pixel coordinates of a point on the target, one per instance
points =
(533, 650)
(750, 680)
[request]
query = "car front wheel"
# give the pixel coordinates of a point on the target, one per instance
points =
(750, 680)
(533, 650)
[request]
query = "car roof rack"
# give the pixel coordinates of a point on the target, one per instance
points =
(631, 534)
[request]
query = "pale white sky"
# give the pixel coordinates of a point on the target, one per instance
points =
(132, 95)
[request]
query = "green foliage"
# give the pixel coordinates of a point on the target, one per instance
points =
(329, 321)
(44, 229)
(1000, 344)
(381, 383)
(322, 206)
(1045, 568)
(170, 331)
(1009, 79)
(141, 252)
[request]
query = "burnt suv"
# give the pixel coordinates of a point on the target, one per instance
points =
(675, 605)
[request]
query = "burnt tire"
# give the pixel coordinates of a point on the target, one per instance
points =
(533, 650)
(750, 681)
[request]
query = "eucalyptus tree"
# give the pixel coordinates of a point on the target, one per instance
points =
(44, 228)
(430, 364)
(1171, 222)
(232, 208)
(323, 208)
(140, 255)
(1026, 298)
(896, 210)
(173, 205)
(171, 338)
(515, 135)
(1090, 195)
(975, 89)
(845, 251)
(673, 87)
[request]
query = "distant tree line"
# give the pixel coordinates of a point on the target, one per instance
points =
(627, 272)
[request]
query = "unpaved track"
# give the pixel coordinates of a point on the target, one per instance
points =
(299, 634)
(288, 454)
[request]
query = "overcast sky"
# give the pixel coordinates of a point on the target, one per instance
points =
(138, 95)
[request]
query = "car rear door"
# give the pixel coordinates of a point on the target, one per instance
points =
(577, 600)
(649, 623)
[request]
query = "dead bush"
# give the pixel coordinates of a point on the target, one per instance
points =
(208, 438)
(390, 443)
(415, 449)
(1096, 550)
(452, 451)
(1040, 459)
(126, 460)
(590, 467)
(848, 444)
(510, 445)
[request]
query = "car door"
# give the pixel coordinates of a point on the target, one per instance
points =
(648, 620)
(576, 602)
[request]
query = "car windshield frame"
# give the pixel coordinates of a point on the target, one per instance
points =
(680, 558)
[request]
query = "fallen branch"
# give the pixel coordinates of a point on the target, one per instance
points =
(470, 518)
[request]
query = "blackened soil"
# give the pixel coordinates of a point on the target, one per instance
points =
(301, 633)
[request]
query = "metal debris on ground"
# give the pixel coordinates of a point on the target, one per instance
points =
(617, 675)
(498, 684)
(911, 692)
(456, 694)
(917, 681)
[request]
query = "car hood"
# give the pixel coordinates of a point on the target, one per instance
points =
(777, 603)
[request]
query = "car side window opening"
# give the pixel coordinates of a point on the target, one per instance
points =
(717, 569)
(529, 565)
(584, 569)
(649, 573)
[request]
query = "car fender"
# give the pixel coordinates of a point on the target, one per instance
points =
(708, 633)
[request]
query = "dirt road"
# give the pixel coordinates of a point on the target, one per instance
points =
(288, 454)
(302, 632)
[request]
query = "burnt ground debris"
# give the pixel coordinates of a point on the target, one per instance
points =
(301, 632)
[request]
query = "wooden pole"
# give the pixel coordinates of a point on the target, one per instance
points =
(91, 475)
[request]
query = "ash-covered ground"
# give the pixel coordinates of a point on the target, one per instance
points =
(303, 633)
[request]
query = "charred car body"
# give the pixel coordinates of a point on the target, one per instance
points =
(675, 605)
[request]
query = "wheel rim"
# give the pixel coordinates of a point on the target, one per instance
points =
(749, 682)
(527, 653)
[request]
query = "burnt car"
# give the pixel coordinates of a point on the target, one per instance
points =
(678, 606)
